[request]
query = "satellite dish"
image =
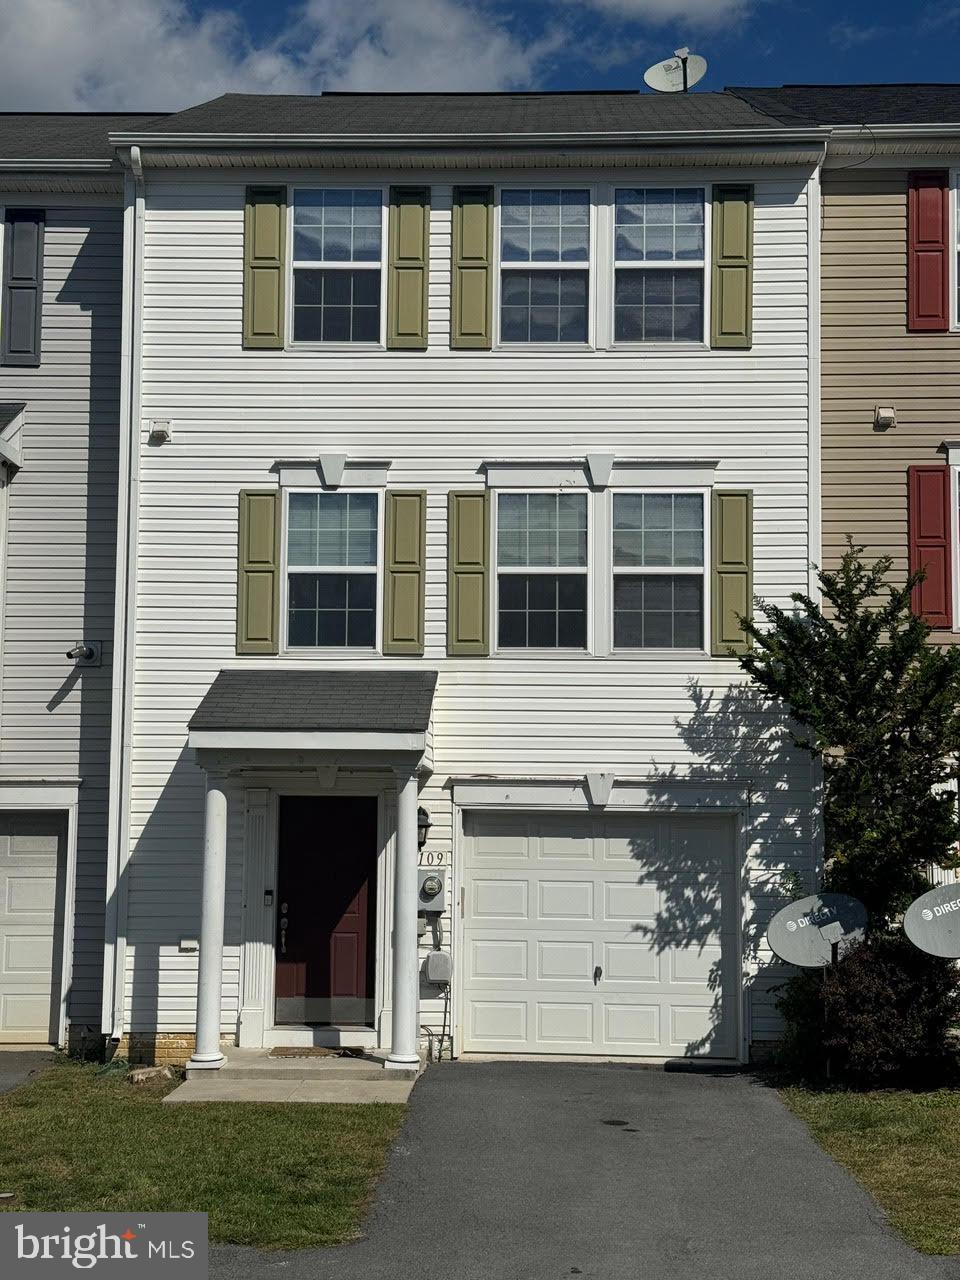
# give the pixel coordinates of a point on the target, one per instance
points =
(806, 932)
(932, 923)
(676, 74)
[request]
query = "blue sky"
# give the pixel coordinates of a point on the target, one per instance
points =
(165, 54)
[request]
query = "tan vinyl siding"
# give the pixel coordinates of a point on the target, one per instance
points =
(869, 359)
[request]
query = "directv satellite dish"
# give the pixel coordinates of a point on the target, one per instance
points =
(676, 74)
(806, 932)
(932, 923)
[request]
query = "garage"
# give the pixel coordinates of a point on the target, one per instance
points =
(32, 880)
(613, 935)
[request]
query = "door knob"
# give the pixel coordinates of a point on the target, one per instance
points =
(597, 974)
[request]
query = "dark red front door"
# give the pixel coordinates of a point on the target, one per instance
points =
(326, 895)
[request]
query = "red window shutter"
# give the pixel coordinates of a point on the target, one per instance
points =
(928, 233)
(931, 537)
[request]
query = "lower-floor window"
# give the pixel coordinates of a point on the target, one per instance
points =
(543, 611)
(332, 562)
(658, 571)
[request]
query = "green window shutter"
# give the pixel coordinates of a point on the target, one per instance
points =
(468, 553)
(408, 268)
(731, 281)
(405, 536)
(471, 317)
(264, 238)
(258, 588)
(732, 577)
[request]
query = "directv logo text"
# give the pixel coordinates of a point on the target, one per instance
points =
(944, 909)
(55, 1244)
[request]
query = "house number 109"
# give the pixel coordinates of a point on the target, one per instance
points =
(431, 858)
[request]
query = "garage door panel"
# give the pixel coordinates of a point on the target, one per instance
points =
(25, 953)
(565, 900)
(498, 959)
(630, 962)
(499, 1023)
(661, 929)
(500, 899)
(565, 961)
(565, 1023)
(625, 900)
(632, 1028)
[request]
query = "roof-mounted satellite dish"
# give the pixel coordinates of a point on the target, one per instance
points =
(676, 74)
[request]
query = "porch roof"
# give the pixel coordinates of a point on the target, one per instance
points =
(332, 710)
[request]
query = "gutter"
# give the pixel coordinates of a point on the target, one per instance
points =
(49, 166)
(118, 833)
(229, 141)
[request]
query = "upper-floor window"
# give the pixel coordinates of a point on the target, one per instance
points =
(544, 265)
(332, 570)
(337, 264)
(659, 260)
(542, 571)
(659, 571)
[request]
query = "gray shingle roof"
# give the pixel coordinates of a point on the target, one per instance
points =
(357, 114)
(64, 135)
(312, 701)
(857, 103)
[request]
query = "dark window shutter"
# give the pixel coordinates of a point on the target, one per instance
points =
(408, 268)
(732, 576)
(930, 521)
(22, 287)
(264, 242)
(468, 554)
(471, 318)
(405, 556)
(258, 563)
(928, 234)
(731, 291)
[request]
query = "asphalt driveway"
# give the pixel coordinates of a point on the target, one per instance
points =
(529, 1171)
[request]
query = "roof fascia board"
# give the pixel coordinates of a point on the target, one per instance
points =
(47, 166)
(628, 137)
(304, 740)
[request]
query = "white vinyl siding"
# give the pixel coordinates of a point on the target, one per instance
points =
(437, 415)
(59, 557)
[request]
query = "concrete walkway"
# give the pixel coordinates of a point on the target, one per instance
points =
(19, 1063)
(254, 1075)
(534, 1171)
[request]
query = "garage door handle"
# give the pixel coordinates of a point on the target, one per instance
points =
(597, 975)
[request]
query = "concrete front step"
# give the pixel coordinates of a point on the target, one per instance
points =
(256, 1064)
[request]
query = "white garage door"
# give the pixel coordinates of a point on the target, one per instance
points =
(32, 853)
(612, 935)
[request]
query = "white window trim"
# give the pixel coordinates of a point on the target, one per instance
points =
(590, 266)
(292, 344)
(663, 571)
(285, 570)
(587, 569)
(610, 263)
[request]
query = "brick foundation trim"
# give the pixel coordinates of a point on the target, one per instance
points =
(159, 1048)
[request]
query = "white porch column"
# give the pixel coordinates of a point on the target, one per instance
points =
(403, 1045)
(207, 1053)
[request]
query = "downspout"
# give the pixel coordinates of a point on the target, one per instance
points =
(118, 831)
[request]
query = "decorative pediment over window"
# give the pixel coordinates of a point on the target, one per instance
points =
(333, 471)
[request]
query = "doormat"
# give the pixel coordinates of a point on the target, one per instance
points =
(313, 1051)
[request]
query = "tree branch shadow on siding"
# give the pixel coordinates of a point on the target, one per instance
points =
(741, 744)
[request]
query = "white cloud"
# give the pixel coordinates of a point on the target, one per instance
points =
(703, 13)
(161, 54)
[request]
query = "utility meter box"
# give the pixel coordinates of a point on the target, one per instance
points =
(432, 890)
(438, 968)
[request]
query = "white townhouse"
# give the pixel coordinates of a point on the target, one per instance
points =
(460, 431)
(61, 226)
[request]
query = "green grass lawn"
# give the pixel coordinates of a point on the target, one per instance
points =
(279, 1176)
(903, 1147)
